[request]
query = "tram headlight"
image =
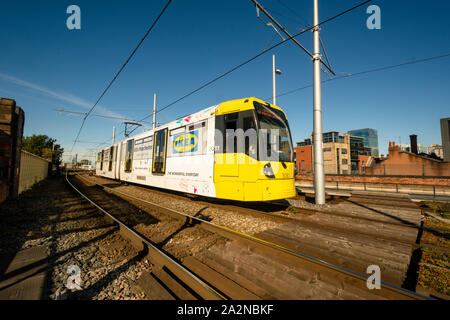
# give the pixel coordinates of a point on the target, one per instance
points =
(267, 170)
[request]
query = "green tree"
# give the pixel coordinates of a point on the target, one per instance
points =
(43, 146)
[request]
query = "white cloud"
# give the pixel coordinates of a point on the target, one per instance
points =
(57, 95)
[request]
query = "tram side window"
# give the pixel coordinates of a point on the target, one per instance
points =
(233, 141)
(251, 140)
(137, 152)
(111, 153)
(230, 139)
(101, 162)
(159, 151)
(129, 156)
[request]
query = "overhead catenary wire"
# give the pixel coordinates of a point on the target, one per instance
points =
(366, 72)
(294, 12)
(277, 13)
(251, 59)
(120, 70)
(283, 29)
(256, 56)
(95, 115)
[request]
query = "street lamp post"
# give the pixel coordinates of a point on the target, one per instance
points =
(274, 73)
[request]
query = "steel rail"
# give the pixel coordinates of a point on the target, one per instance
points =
(204, 288)
(283, 218)
(233, 234)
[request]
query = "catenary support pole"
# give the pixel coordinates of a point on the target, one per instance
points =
(154, 110)
(114, 135)
(273, 81)
(319, 176)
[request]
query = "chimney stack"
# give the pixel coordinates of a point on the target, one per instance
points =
(413, 139)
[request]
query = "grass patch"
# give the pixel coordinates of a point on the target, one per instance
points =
(440, 208)
(434, 271)
(436, 239)
(292, 209)
(436, 224)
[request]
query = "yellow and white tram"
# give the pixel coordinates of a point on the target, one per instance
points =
(211, 153)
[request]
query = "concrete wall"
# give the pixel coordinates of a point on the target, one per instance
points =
(32, 170)
(331, 156)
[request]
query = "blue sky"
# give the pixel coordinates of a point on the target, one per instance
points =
(43, 65)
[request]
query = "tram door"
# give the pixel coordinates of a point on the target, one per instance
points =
(159, 151)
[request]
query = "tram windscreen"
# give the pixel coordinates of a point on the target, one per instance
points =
(272, 121)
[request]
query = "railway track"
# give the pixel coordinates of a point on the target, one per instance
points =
(353, 244)
(342, 282)
(160, 258)
(267, 210)
(404, 232)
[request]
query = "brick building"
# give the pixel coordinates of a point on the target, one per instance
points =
(12, 119)
(404, 163)
(363, 160)
(336, 154)
(445, 133)
(304, 159)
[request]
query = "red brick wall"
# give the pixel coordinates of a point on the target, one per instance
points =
(362, 161)
(304, 159)
(11, 131)
(406, 163)
(371, 179)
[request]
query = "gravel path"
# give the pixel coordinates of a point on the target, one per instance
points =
(240, 222)
(51, 214)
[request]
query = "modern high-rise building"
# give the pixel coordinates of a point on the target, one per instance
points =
(370, 139)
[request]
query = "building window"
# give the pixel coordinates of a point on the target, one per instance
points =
(344, 151)
(344, 171)
(326, 149)
(344, 161)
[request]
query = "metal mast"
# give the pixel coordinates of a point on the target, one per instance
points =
(114, 136)
(273, 81)
(319, 176)
(154, 110)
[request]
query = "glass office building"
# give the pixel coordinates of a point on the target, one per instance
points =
(370, 139)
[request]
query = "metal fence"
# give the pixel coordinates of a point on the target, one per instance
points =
(32, 170)
(439, 169)
(418, 189)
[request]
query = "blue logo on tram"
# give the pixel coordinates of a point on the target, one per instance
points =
(185, 142)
